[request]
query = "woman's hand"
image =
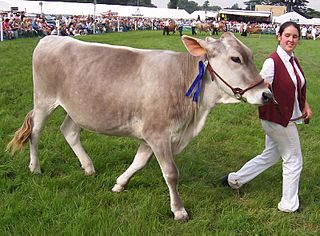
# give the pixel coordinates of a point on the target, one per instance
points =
(307, 113)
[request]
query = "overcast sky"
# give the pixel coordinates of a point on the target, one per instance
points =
(315, 4)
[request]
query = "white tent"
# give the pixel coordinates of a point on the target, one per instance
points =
(291, 16)
(71, 8)
(203, 14)
(245, 13)
(4, 6)
(34, 7)
(314, 21)
(148, 12)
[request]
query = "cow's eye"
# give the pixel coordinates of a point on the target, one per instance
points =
(236, 60)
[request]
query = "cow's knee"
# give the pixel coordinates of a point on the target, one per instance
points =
(171, 175)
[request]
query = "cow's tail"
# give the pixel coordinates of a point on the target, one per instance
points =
(21, 136)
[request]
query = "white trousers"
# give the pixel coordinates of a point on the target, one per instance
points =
(280, 142)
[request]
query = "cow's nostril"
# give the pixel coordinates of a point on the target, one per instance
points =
(267, 97)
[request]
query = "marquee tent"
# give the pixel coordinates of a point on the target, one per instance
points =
(71, 8)
(291, 16)
(33, 7)
(203, 14)
(294, 16)
(245, 13)
(5, 6)
(314, 21)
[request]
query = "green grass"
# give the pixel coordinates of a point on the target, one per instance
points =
(63, 201)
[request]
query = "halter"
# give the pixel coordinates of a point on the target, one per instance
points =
(238, 92)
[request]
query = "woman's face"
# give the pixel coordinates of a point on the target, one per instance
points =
(289, 39)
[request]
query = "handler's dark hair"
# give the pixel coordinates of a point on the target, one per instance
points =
(287, 24)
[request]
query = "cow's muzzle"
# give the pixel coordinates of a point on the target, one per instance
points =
(267, 97)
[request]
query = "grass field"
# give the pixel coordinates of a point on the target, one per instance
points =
(63, 201)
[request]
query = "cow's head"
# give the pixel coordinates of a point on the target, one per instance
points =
(233, 62)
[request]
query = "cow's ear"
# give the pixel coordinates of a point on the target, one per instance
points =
(194, 45)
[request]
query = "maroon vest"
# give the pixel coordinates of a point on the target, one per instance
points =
(284, 92)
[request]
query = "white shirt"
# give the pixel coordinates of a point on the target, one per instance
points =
(304, 31)
(313, 31)
(267, 73)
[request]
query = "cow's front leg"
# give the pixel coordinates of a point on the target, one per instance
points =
(171, 175)
(140, 160)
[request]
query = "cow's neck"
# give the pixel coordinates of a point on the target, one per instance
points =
(209, 96)
(208, 99)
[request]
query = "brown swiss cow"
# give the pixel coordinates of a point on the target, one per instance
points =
(123, 91)
(254, 30)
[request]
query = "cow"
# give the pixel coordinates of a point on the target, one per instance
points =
(204, 27)
(172, 27)
(222, 26)
(123, 91)
(254, 30)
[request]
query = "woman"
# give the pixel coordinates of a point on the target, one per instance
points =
(283, 74)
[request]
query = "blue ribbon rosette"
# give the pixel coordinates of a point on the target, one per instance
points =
(196, 85)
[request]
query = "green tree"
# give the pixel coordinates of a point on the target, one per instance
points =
(251, 4)
(299, 4)
(235, 6)
(173, 4)
(313, 13)
(189, 6)
(206, 7)
(206, 4)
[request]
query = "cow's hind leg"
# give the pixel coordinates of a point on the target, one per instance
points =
(71, 132)
(163, 153)
(39, 118)
(140, 160)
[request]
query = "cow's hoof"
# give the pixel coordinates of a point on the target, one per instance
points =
(181, 216)
(89, 170)
(35, 169)
(117, 188)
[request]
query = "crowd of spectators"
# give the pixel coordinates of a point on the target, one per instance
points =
(16, 25)
(24, 25)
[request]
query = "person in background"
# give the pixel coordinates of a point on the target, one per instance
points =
(215, 28)
(180, 26)
(313, 32)
(284, 75)
(244, 30)
(304, 32)
(166, 27)
(36, 27)
(7, 28)
(193, 27)
(63, 30)
(54, 31)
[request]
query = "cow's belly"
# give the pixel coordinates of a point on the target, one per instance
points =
(111, 126)
(104, 119)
